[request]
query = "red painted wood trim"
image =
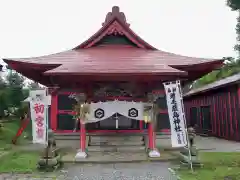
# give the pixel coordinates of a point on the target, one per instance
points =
(120, 98)
(141, 125)
(200, 114)
(150, 136)
(225, 113)
(54, 106)
(66, 131)
(68, 93)
(230, 113)
(221, 110)
(66, 112)
(119, 28)
(214, 115)
(82, 137)
(163, 111)
(116, 131)
(219, 116)
(158, 91)
(238, 106)
(235, 117)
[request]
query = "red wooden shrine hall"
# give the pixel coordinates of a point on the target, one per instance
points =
(114, 63)
(215, 108)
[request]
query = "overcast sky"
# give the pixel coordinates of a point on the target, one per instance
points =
(202, 28)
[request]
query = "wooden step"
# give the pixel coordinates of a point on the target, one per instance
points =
(115, 138)
(116, 143)
(116, 148)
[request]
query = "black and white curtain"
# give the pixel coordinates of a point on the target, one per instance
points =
(103, 110)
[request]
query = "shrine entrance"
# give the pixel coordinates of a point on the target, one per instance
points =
(117, 122)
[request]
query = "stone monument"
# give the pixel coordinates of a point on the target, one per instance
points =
(184, 153)
(50, 158)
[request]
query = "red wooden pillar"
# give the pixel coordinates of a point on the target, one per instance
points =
(54, 109)
(153, 151)
(82, 137)
(151, 136)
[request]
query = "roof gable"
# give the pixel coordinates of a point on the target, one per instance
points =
(115, 25)
(115, 40)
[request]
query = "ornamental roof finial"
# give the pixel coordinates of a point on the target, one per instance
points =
(115, 14)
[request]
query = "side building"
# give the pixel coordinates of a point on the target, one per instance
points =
(215, 108)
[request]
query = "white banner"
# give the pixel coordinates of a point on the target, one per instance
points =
(175, 112)
(38, 108)
(103, 110)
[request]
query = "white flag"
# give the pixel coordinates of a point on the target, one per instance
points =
(175, 112)
(38, 108)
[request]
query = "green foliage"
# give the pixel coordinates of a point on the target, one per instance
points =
(235, 6)
(12, 94)
(34, 85)
(231, 67)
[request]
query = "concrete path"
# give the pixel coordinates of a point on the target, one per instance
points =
(140, 171)
(216, 145)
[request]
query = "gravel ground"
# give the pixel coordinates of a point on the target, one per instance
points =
(140, 171)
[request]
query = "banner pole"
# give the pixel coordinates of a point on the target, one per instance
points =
(185, 123)
(46, 124)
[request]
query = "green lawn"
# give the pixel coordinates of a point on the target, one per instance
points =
(215, 166)
(19, 162)
(8, 131)
(15, 160)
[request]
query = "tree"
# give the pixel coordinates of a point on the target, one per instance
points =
(235, 6)
(34, 85)
(15, 83)
(2, 83)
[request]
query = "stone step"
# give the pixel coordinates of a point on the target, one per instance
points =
(117, 143)
(116, 148)
(115, 138)
(67, 137)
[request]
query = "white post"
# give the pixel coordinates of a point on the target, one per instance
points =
(185, 123)
(46, 109)
(116, 118)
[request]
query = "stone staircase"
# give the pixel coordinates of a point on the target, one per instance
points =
(68, 140)
(103, 142)
(116, 143)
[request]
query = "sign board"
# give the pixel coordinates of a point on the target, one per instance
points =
(176, 114)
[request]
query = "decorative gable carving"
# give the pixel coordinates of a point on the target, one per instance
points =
(115, 24)
(116, 29)
(115, 14)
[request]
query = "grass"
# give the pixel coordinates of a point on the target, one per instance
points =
(15, 160)
(19, 162)
(7, 133)
(216, 166)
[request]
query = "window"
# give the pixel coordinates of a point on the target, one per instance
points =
(161, 102)
(206, 118)
(65, 122)
(65, 103)
(193, 116)
(163, 122)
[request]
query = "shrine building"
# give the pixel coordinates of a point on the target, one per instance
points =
(114, 64)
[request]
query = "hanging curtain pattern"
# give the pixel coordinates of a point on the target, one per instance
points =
(103, 110)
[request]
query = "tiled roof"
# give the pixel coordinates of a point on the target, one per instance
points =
(215, 85)
(114, 57)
